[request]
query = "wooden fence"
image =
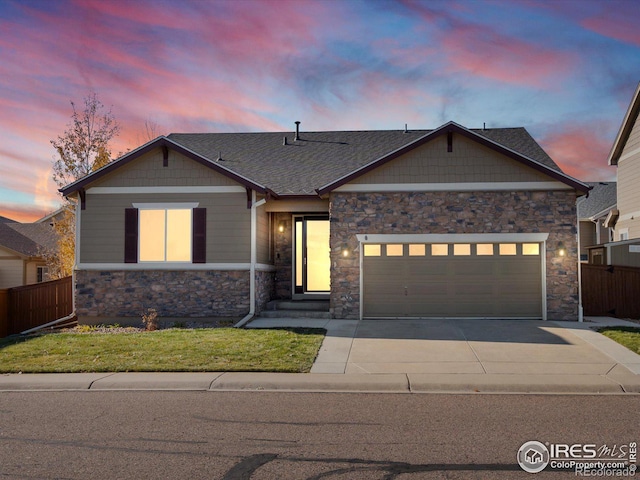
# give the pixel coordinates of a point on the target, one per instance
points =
(29, 306)
(611, 290)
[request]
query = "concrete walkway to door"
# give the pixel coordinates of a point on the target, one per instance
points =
(477, 355)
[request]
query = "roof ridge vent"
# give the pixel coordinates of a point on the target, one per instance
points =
(297, 137)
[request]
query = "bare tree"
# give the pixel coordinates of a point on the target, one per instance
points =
(82, 148)
(84, 145)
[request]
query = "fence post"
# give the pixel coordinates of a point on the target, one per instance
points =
(4, 313)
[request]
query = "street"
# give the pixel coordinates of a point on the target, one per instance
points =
(260, 435)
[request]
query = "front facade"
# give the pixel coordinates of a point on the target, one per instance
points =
(450, 222)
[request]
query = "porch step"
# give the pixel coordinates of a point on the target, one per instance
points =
(293, 314)
(307, 305)
(297, 309)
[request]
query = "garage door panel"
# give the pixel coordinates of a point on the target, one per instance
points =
(457, 286)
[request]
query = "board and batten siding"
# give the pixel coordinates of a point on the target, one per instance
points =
(468, 162)
(629, 185)
(148, 171)
(228, 225)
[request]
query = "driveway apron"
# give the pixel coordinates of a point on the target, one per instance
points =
(457, 346)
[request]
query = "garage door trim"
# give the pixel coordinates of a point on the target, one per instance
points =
(457, 238)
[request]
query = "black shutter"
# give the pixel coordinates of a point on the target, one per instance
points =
(199, 240)
(130, 235)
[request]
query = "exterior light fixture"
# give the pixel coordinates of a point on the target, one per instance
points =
(345, 250)
(281, 228)
(562, 251)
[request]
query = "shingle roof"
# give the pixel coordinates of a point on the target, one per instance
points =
(602, 197)
(6, 220)
(27, 238)
(319, 158)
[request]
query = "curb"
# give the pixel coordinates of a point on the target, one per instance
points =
(304, 382)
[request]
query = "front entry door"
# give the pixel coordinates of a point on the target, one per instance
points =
(312, 254)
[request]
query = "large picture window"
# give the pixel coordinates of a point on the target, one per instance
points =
(165, 235)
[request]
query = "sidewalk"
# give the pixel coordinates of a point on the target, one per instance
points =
(458, 359)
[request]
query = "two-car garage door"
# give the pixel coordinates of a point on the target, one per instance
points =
(452, 280)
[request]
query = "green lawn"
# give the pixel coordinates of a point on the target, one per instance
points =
(172, 350)
(627, 336)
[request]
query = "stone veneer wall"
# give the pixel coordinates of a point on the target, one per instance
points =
(265, 288)
(179, 294)
(550, 212)
(283, 248)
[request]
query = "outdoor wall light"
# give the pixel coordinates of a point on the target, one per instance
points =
(281, 228)
(562, 251)
(345, 250)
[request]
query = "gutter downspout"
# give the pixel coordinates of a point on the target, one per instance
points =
(580, 310)
(254, 259)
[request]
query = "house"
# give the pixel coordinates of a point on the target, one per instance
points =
(450, 222)
(593, 211)
(21, 249)
(623, 248)
(625, 155)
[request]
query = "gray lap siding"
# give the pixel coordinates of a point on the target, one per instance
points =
(551, 212)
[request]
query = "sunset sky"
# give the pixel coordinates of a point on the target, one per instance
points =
(563, 69)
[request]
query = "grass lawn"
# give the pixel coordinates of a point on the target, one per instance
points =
(627, 336)
(172, 350)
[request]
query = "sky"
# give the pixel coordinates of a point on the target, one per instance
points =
(565, 70)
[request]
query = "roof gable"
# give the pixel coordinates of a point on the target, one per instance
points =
(165, 144)
(451, 128)
(468, 161)
(628, 122)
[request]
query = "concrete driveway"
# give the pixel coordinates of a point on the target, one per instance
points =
(524, 355)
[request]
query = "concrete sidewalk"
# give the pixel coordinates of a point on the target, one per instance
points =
(409, 356)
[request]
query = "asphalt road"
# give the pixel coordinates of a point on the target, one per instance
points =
(259, 435)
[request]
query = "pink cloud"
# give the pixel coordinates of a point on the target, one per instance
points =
(617, 25)
(580, 152)
(484, 52)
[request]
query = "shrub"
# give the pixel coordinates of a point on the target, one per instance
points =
(150, 319)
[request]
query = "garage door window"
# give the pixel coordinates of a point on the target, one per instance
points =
(372, 250)
(530, 249)
(439, 249)
(507, 249)
(394, 251)
(417, 250)
(484, 249)
(461, 249)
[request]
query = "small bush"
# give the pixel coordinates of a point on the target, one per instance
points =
(150, 319)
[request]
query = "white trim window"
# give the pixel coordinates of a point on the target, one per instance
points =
(165, 235)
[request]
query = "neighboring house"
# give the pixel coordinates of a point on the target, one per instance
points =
(623, 249)
(593, 211)
(21, 248)
(625, 155)
(450, 222)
